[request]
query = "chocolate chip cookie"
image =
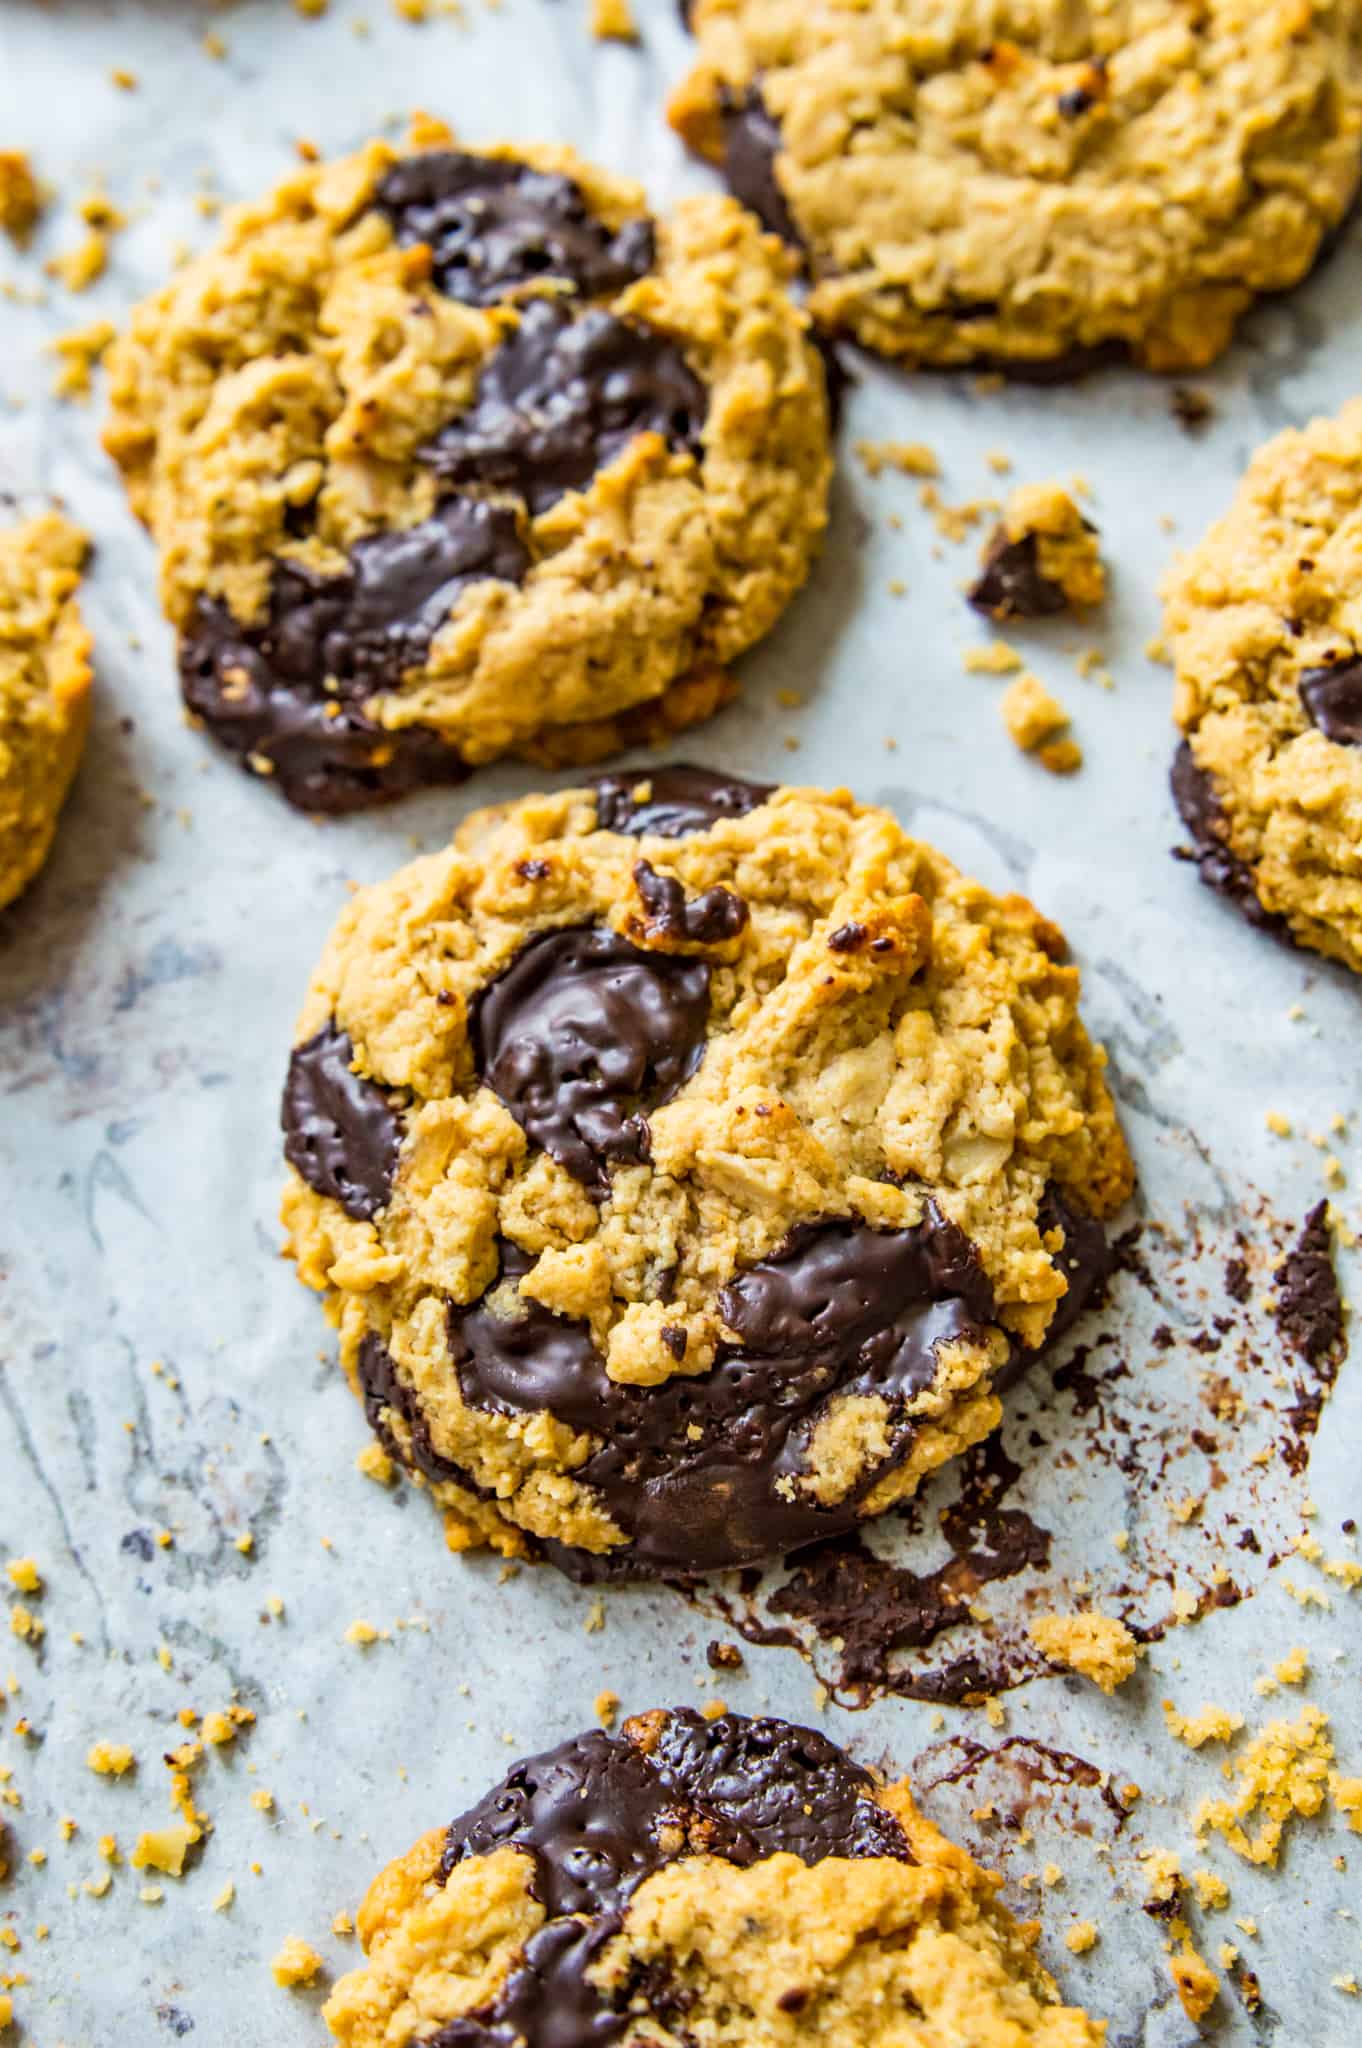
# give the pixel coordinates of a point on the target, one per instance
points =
(1263, 625)
(736, 1882)
(685, 1161)
(455, 455)
(45, 678)
(1035, 184)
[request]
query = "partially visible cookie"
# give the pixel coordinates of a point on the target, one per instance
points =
(1042, 557)
(1034, 185)
(1263, 619)
(45, 678)
(686, 1161)
(740, 1883)
(455, 455)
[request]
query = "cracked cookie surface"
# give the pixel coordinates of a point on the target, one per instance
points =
(737, 1882)
(683, 1160)
(455, 455)
(45, 678)
(1264, 624)
(1031, 182)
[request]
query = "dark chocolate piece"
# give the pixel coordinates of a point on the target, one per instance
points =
(493, 225)
(581, 1035)
(752, 142)
(1220, 869)
(290, 692)
(704, 920)
(340, 1131)
(694, 1470)
(1010, 584)
(601, 1813)
(1332, 697)
(1309, 1311)
(680, 800)
(1086, 1260)
(561, 399)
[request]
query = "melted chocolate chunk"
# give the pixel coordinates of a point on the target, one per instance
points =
(386, 1394)
(694, 1470)
(290, 692)
(680, 800)
(340, 1131)
(1010, 584)
(704, 920)
(1086, 1260)
(562, 398)
(1332, 698)
(1309, 1311)
(1220, 869)
(581, 1035)
(752, 142)
(602, 1813)
(493, 225)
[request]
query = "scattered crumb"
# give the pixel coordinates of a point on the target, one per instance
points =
(1196, 1983)
(1097, 1646)
(20, 200)
(1082, 1936)
(224, 1897)
(1042, 558)
(1212, 1724)
(296, 1963)
(997, 659)
(361, 1633)
(1035, 721)
(1346, 1794)
(953, 522)
(913, 458)
(82, 266)
(1191, 409)
(1283, 1771)
(23, 1575)
(612, 21)
(342, 1925)
(607, 1706)
(110, 1759)
(1293, 1669)
(1212, 1892)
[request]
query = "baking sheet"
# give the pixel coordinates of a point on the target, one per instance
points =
(161, 1370)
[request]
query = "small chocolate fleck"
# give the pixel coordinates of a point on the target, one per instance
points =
(1075, 101)
(676, 1338)
(751, 143)
(1010, 584)
(581, 1035)
(705, 920)
(562, 398)
(848, 938)
(494, 225)
(341, 1131)
(1332, 697)
(290, 692)
(680, 800)
(1309, 1311)
(1192, 409)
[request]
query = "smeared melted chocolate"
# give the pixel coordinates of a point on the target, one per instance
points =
(752, 142)
(493, 225)
(581, 1035)
(601, 1813)
(289, 694)
(695, 1469)
(562, 398)
(1220, 869)
(1333, 701)
(1309, 1310)
(341, 1132)
(680, 800)
(708, 919)
(1010, 584)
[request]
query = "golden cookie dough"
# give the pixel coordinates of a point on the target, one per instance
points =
(1263, 619)
(683, 1160)
(45, 678)
(1031, 181)
(451, 456)
(746, 1886)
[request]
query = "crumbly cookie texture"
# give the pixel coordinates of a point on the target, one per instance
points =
(1097, 1646)
(1034, 181)
(45, 678)
(748, 1886)
(683, 1159)
(1264, 624)
(451, 456)
(1042, 557)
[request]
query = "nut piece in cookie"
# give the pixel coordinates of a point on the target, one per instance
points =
(727, 1881)
(45, 678)
(452, 455)
(687, 1163)
(1260, 621)
(1043, 557)
(1035, 187)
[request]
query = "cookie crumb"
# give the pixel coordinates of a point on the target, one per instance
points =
(20, 200)
(1283, 1771)
(997, 659)
(607, 1706)
(1097, 1646)
(1080, 1937)
(1195, 1981)
(296, 1964)
(110, 1759)
(1042, 558)
(166, 1848)
(612, 21)
(1035, 722)
(911, 458)
(1212, 1724)
(373, 1461)
(23, 1575)
(361, 1634)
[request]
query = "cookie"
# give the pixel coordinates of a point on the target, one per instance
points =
(1035, 186)
(45, 678)
(1264, 626)
(451, 456)
(1042, 557)
(736, 1882)
(685, 1161)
